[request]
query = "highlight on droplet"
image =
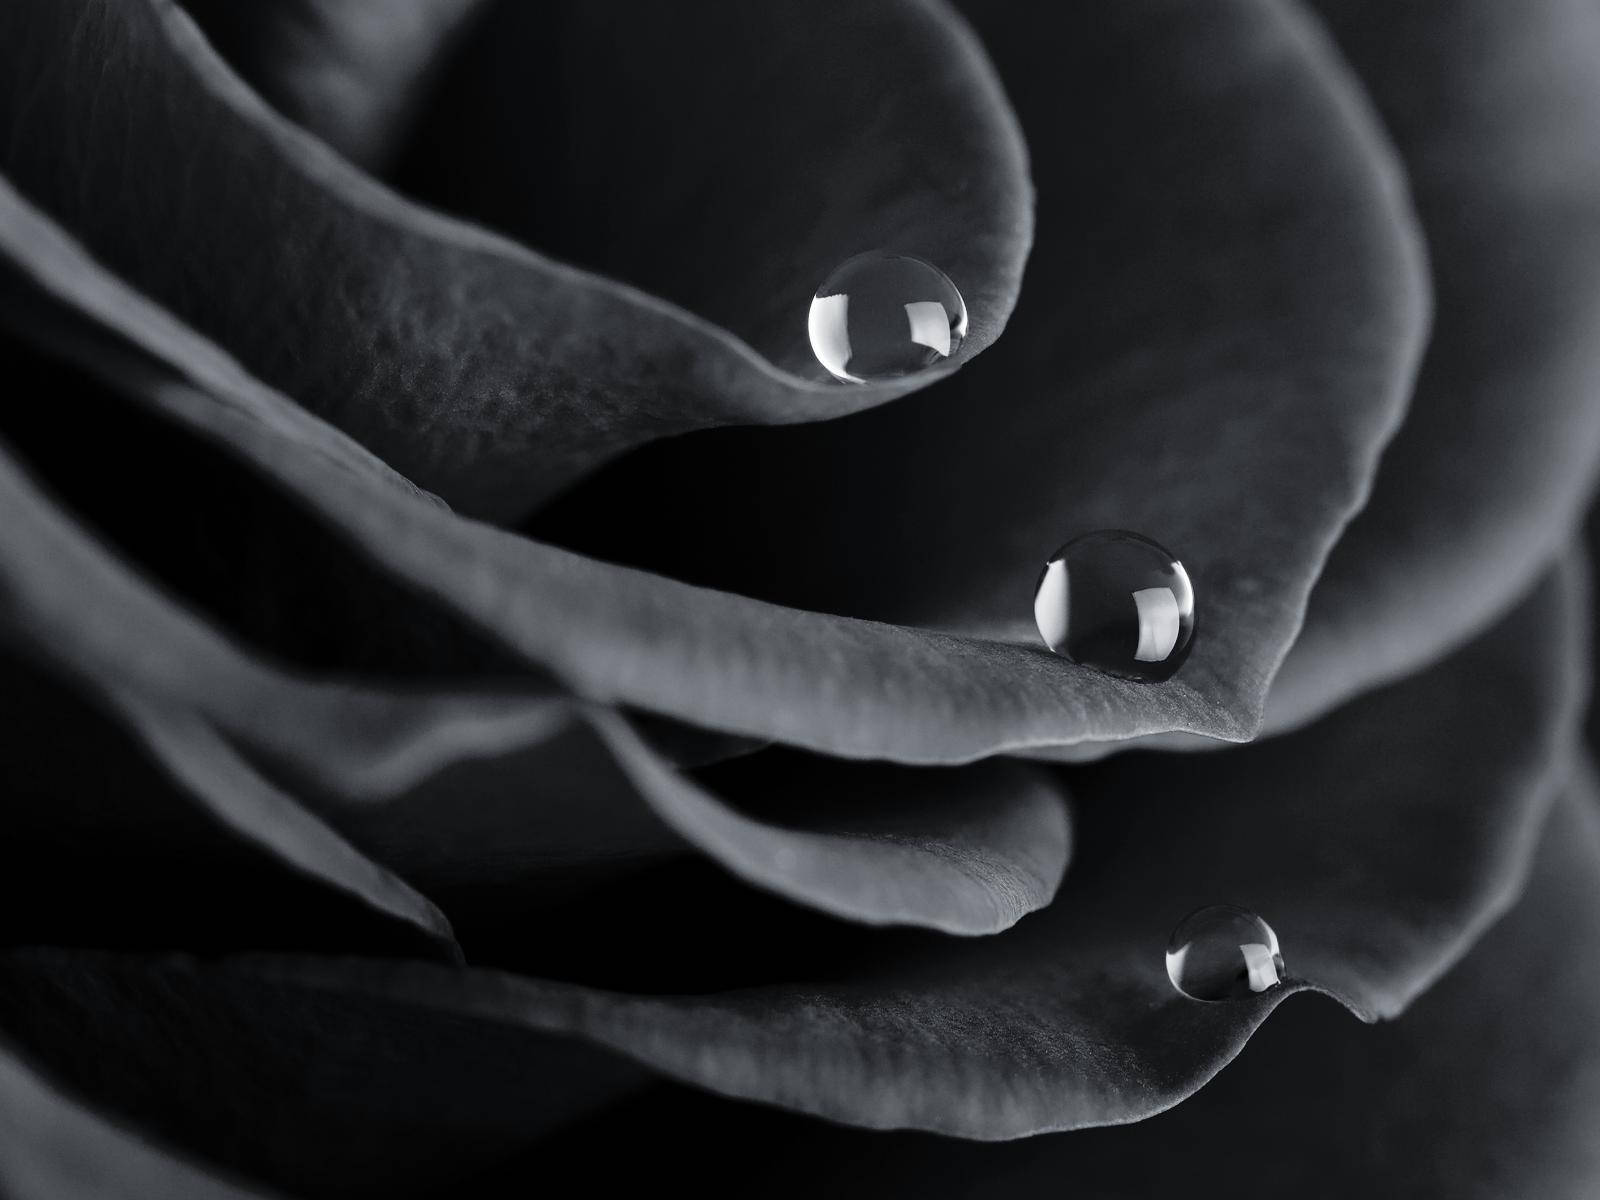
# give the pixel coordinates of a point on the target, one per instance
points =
(1119, 602)
(883, 316)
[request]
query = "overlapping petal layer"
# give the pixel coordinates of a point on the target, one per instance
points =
(476, 783)
(389, 696)
(1496, 114)
(1484, 1089)
(480, 369)
(1224, 310)
(865, 689)
(1068, 1020)
(1064, 1021)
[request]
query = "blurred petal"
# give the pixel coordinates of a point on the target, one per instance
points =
(1224, 312)
(57, 1150)
(1379, 843)
(351, 71)
(1496, 112)
(75, 603)
(476, 367)
(1486, 1088)
(322, 1096)
(160, 783)
(130, 823)
(1592, 538)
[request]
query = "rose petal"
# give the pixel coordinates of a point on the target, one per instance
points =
(130, 823)
(721, 662)
(81, 606)
(1497, 115)
(314, 1094)
(57, 1150)
(1065, 1020)
(477, 368)
(161, 783)
(680, 147)
(1592, 538)
(1224, 312)
(1486, 1088)
(967, 851)
(351, 72)
(1337, 835)
(507, 787)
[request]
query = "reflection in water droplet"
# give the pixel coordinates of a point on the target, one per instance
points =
(1223, 952)
(1118, 602)
(880, 316)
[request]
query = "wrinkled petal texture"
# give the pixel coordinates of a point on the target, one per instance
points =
(866, 689)
(57, 1150)
(1002, 1032)
(1482, 1090)
(1068, 1020)
(323, 1097)
(1224, 311)
(267, 693)
(479, 369)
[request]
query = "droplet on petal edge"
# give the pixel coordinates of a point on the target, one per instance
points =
(1118, 602)
(1223, 952)
(882, 316)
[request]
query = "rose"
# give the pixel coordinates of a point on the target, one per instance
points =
(255, 665)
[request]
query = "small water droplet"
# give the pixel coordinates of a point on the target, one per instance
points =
(881, 316)
(1118, 602)
(1223, 952)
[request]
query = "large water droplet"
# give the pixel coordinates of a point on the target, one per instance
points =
(1223, 952)
(1118, 602)
(880, 316)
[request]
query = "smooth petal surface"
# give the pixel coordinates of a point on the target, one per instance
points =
(966, 851)
(1496, 113)
(1225, 308)
(1376, 879)
(1486, 1088)
(476, 367)
(969, 850)
(57, 1150)
(352, 73)
(475, 595)
(484, 786)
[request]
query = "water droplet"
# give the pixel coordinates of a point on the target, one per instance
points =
(880, 316)
(1117, 602)
(1223, 952)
